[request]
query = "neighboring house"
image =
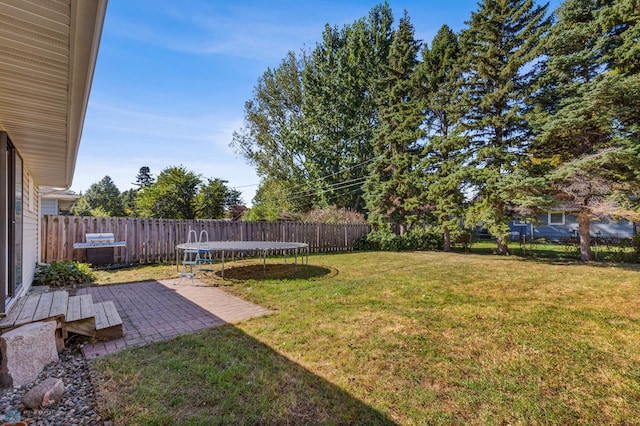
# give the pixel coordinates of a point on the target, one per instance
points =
(57, 202)
(48, 51)
(558, 225)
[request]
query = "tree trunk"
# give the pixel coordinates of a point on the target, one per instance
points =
(502, 246)
(403, 229)
(447, 239)
(584, 220)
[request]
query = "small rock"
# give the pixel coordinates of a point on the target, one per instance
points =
(45, 394)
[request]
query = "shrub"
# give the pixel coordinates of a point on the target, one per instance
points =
(362, 243)
(386, 240)
(58, 274)
(424, 239)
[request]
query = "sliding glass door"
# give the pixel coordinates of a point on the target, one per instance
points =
(11, 219)
(16, 253)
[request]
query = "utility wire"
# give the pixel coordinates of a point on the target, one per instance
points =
(329, 187)
(322, 177)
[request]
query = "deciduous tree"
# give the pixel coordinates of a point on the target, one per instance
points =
(171, 196)
(341, 80)
(105, 195)
(210, 201)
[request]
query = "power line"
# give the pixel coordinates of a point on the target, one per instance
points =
(328, 187)
(322, 177)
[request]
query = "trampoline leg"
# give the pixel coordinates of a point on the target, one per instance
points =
(222, 266)
(264, 264)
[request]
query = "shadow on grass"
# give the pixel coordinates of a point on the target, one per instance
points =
(221, 376)
(256, 271)
(559, 255)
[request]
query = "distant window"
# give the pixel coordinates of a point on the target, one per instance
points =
(556, 218)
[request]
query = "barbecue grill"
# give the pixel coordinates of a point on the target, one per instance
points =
(100, 247)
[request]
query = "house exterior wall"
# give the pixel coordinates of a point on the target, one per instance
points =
(31, 231)
(49, 206)
(568, 226)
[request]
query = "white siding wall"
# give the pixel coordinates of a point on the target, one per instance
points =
(31, 231)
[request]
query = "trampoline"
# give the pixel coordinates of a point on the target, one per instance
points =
(263, 247)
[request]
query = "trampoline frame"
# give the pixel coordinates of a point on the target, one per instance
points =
(247, 246)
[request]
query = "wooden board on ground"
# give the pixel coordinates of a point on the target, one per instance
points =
(108, 321)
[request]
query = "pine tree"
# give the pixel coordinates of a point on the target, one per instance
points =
(502, 44)
(144, 177)
(392, 191)
(587, 112)
(619, 88)
(440, 75)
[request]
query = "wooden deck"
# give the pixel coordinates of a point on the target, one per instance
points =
(72, 314)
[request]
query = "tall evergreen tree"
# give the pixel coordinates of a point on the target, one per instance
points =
(619, 89)
(440, 75)
(392, 190)
(502, 44)
(588, 109)
(144, 177)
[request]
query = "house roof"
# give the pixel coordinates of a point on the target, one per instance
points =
(57, 194)
(48, 50)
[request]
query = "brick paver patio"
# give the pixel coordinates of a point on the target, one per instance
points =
(159, 310)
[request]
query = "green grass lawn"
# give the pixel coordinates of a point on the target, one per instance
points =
(406, 338)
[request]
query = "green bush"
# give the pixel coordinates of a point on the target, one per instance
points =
(423, 239)
(387, 240)
(59, 274)
(361, 243)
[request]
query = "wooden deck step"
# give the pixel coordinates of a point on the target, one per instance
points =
(75, 314)
(81, 316)
(80, 308)
(36, 307)
(108, 321)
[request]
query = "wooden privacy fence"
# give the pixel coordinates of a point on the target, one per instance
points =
(154, 240)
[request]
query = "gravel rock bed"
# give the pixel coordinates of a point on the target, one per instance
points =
(79, 403)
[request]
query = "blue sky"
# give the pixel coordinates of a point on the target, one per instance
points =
(172, 78)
